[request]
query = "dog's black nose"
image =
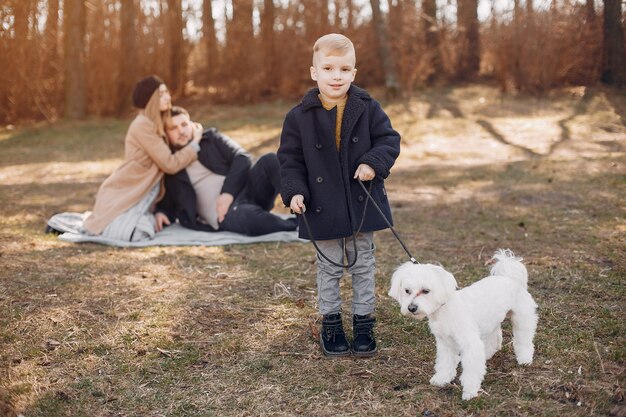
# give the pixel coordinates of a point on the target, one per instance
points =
(412, 308)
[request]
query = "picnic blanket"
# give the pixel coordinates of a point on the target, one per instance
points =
(70, 224)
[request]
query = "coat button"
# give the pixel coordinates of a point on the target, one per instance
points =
(355, 139)
(318, 209)
(360, 198)
(318, 146)
(319, 179)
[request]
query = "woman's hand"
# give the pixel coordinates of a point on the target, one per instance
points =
(197, 132)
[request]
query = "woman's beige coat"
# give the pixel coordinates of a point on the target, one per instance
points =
(147, 157)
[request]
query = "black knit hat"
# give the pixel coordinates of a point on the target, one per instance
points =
(144, 90)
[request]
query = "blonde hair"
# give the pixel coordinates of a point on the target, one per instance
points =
(333, 44)
(154, 113)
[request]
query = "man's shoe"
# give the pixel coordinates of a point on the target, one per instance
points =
(332, 337)
(364, 343)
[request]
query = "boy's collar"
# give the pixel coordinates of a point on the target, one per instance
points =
(311, 98)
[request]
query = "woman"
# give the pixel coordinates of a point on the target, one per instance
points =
(124, 203)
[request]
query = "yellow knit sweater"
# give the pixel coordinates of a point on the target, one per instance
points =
(341, 105)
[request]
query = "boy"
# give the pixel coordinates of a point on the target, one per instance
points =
(337, 135)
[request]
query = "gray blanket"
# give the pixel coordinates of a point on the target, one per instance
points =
(175, 235)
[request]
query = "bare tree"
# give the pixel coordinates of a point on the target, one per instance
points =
(74, 47)
(210, 40)
(240, 53)
(590, 7)
(315, 19)
(431, 37)
(22, 49)
(350, 15)
(177, 55)
(267, 39)
(469, 42)
(128, 55)
(384, 53)
(613, 44)
(51, 37)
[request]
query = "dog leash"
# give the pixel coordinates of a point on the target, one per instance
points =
(369, 197)
(356, 253)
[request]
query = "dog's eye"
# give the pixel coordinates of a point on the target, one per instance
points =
(407, 291)
(425, 291)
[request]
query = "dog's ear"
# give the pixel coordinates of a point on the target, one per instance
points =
(447, 282)
(396, 284)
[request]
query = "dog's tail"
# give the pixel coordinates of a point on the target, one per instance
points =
(508, 265)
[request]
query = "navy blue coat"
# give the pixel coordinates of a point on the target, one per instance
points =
(310, 164)
(218, 153)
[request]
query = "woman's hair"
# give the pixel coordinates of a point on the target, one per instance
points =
(154, 113)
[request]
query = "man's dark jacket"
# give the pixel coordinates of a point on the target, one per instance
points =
(310, 164)
(219, 154)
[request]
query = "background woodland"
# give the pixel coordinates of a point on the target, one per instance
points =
(72, 58)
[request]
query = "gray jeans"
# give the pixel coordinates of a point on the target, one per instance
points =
(329, 275)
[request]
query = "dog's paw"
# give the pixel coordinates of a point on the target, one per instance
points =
(468, 395)
(440, 380)
(524, 358)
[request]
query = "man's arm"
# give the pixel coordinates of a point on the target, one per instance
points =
(239, 162)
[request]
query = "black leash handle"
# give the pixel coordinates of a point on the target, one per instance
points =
(369, 196)
(319, 251)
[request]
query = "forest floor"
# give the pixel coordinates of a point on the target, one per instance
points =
(91, 330)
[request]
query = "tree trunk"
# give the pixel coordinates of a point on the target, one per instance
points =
(74, 46)
(469, 42)
(530, 9)
(52, 37)
(613, 44)
(431, 37)
(384, 52)
(20, 96)
(350, 13)
(240, 51)
(177, 56)
(518, 77)
(128, 56)
(210, 40)
(267, 39)
(591, 11)
(315, 19)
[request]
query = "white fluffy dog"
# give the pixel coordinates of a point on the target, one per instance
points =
(466, 323)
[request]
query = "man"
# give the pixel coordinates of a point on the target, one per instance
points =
(222, 190)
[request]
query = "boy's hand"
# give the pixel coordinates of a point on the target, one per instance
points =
(297, 204)
(161, 221)
(364, 173)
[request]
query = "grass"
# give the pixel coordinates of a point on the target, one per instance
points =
(88, 330)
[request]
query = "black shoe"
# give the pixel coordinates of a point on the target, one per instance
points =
(332, 337)
(51, 230)
(364, 343)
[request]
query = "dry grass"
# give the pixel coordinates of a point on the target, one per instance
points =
(88, 330)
